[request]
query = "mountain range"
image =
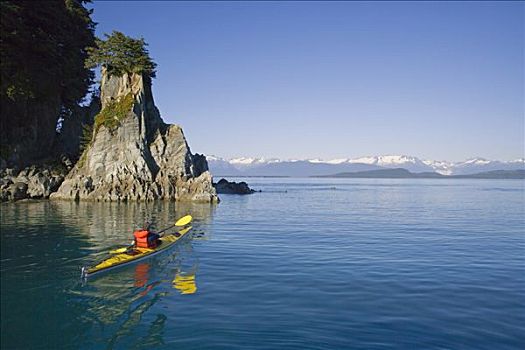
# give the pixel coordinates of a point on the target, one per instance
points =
(245, 166)
(400, 173)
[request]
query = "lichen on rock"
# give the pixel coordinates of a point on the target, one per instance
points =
(133, 155)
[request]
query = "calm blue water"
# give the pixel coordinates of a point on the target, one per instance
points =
(307, 264)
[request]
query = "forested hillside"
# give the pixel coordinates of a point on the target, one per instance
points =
(43, 48)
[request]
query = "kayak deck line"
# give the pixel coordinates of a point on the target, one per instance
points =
(133, 255)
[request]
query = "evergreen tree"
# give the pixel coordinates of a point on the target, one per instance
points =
(120, 54)
(42, 73)
(43, 49)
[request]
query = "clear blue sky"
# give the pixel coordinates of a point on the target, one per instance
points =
(336, 79)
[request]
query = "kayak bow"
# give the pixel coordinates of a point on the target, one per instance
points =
(133, 255)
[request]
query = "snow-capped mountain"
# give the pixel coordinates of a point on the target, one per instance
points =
(477, 165)
(412, 164)
(312, 167)
(220, 166)
(409, 163)
(250, 162)
(442, 167)
(275, 167)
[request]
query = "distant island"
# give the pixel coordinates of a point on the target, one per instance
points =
(400, 173)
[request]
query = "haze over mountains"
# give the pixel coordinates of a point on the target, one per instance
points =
(245, 166)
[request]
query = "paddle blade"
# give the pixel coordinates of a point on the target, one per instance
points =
(184, 220)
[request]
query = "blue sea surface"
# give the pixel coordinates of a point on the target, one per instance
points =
(305, 264)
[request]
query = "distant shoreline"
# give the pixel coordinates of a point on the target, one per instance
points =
(250, 176)
(400, 173)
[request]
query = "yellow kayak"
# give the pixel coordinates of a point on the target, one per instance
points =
(134, 254)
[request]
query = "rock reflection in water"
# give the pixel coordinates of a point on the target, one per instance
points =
(111, 224)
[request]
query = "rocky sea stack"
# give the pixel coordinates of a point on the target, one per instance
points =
(227, 187)
(133, 155)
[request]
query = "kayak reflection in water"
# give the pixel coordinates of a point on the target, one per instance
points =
(141, 274)
(141, 278)
(185, 282)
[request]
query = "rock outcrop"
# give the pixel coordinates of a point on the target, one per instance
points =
(227, 187)
(133, 155)
(33, 182)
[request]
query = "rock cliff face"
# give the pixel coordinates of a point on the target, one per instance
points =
(133, 155)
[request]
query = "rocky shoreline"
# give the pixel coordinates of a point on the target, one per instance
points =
(39, 182)
(33, 182)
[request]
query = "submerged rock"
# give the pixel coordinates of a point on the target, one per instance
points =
(227, 187)
(133, 155)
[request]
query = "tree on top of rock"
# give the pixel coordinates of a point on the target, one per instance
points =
(120, 54)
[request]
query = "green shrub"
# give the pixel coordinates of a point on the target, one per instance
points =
(83, 157)
(87, 135)
(111, 115)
